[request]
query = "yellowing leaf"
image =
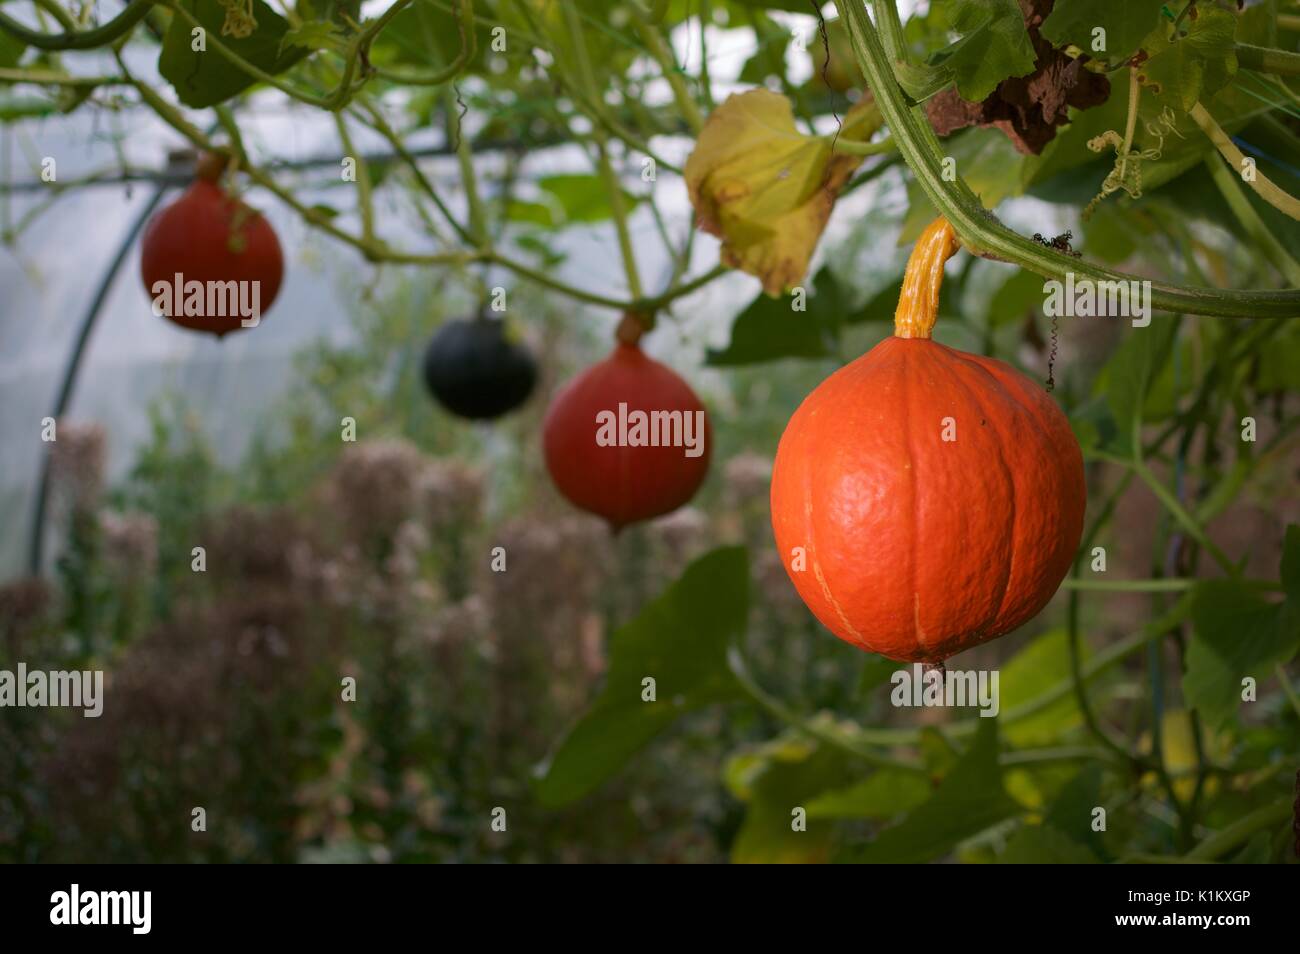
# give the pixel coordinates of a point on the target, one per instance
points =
(767, 189)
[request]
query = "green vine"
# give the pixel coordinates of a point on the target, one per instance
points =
(978, 229)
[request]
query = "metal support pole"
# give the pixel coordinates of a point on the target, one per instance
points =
(37, 541)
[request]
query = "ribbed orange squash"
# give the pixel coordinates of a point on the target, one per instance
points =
(903, 542)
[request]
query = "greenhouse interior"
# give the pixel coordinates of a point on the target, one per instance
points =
(650, 431)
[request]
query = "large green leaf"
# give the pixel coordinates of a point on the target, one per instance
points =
(426, 37)
(882, 795)
(776, 779)
(1126, 22)
(1185, 69)
(994, 45)
(1127, 378)
(1043, 662)
(1019, 295)
(1044, 845)
(582, 197)
(1238, 632)
(680, 640)
(969, 800)
(769, 328)
(206, 78)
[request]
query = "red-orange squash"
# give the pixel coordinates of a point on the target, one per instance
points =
(627, 439)
(209, 237)
(926, 500)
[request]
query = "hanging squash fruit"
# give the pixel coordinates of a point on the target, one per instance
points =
(627, 439)
(475, 371)
(925, 500)
(210, 262)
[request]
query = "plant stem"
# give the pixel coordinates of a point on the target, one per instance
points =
(102, 35)
(1267, 190)
(1268, 60)
(468, 47)
(374, 250)
(685, 288)
(618, 212)
(1160, 585)
(1229, 187)
(1128, 586)
(986, 236)
(852, 148)
(1287, 688)
(1075, 638)
(658, 49)
(1175, 510)
(1259, 820)
(55, 78)
(784, 714)
(365, 200)
(469, 181)
(545, 280)
(613, 187)
(1099, 663)
(380, 125)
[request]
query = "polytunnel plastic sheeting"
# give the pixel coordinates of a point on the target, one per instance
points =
(133, 357)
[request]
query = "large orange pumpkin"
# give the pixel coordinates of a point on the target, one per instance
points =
(926, 500)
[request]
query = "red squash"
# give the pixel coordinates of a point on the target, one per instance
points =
(618, 481)
(208, 236)
(908, 544)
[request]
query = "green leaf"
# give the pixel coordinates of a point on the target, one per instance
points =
(1044, 845)
(969, 800)
(314, 35)
(769, 328)
(11, 50)
(938, 754)
(1183, 70)
(1126, 23)
(680, 640)
(776, 779)
(882, 795)
(1128, 376)
(535, 213)
(994, 46)
(583, 197)
(1291, 563)
(1071, 812)
(1020, 295)
(1239, 631)
(920, 82)
(206, 78)
(426, 38)
(1042, 663)
(1111, 235)
(1258, 851)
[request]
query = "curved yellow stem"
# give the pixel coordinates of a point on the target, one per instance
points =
(918, 302)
